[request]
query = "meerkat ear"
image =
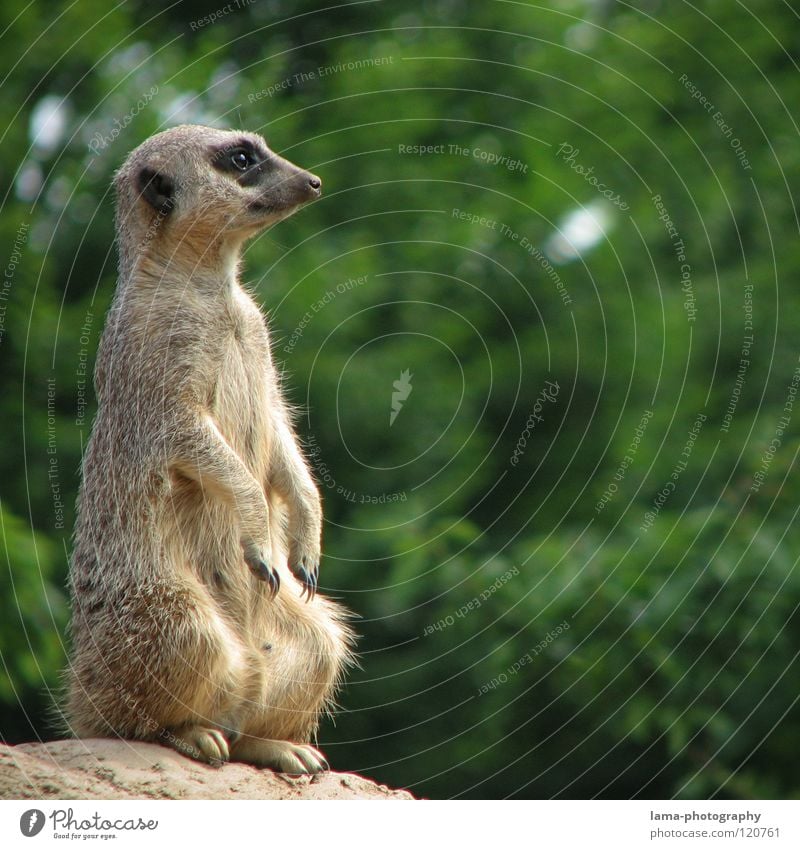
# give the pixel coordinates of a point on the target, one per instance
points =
(157, 189)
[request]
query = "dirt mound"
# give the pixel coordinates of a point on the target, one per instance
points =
(121, 769)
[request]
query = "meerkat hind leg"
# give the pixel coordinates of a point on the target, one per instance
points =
(280, 755)
(199, 742)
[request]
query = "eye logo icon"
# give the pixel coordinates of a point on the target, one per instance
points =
(31, 822)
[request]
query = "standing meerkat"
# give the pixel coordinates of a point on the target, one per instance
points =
(196, 621)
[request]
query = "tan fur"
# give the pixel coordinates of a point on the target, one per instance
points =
(192, 474)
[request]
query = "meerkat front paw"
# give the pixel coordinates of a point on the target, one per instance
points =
(258, 561)
(305, 533)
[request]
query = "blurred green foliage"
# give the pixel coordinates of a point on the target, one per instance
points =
(678, 672)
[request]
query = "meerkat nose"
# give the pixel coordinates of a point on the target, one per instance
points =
(315, 183)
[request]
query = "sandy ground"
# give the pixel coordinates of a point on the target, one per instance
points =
(119, 769)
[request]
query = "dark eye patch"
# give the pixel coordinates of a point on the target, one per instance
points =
(242, 159)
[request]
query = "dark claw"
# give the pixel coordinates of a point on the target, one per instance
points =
(264, 573)
(309, 580)
(304, 579)
(274, 582)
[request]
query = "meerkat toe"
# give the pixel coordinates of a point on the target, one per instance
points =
(292, 765)
(216, 746)
(301, 760)
(202, 744)
(312, 760)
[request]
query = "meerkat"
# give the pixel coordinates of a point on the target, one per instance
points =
(195, 617)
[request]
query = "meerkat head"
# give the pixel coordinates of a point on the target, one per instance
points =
(199, 186)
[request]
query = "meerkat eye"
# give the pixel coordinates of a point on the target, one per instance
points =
(241, 160)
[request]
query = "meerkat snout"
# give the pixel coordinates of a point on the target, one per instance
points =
(304, 184)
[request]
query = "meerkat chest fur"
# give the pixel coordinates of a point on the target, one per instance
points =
(244, 386)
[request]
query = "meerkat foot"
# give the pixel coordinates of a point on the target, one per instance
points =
(280, 755)
(259, 565)
(200, 743)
